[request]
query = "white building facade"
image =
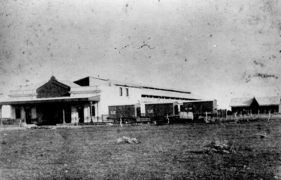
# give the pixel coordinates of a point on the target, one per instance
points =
(85, 100)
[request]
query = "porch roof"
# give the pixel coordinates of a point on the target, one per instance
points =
(241, 102)
(49, 100)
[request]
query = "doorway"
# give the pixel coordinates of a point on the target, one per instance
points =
(80, 110)
(67, 114)
(176, 109)
(28, 115)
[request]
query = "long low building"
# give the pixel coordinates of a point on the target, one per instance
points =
(84, 100)
(255, 105)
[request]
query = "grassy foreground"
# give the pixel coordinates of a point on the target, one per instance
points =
(165, 152)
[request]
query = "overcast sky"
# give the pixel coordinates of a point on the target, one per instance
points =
(217, 49)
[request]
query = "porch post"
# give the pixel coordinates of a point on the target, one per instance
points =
(97, 111)
(23, 116)
(91, 111)
(1, 124)
(63, 116)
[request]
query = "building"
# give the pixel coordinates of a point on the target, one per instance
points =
(83, 101)
(256, 105)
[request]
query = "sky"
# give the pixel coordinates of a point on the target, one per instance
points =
(217, 49)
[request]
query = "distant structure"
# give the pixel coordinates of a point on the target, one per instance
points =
(84, 100)
(256, 105)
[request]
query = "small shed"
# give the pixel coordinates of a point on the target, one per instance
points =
(256, 104)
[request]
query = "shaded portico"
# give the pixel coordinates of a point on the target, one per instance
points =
(53, 102)
(56, 110)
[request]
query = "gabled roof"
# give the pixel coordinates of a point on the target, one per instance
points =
(262, 101)
(241, 102)
(267, 101)
(39, 84)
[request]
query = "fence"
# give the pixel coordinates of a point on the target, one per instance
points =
(10, 122)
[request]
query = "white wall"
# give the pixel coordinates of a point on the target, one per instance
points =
(22, 114)
(87, 114)
(166, 93)
(74, 114)
(6, 111)
(94, 82)
(33, 113)
(155, 100)
(110, 95)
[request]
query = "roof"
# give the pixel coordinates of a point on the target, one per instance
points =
(241, 102)
(267, 101)
(88, 77)
(69, 83)
(122, 83)
(262, 101)
(49, 100)
(28, 89)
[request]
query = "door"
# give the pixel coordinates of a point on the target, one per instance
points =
(138, 112)
(81, 114)
(176, 109)
(67, 114)
(28, 115)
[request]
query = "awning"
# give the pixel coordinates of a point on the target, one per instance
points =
(49, 100)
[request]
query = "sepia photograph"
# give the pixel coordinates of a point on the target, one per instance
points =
(140, 89)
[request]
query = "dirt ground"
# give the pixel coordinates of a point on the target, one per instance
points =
(174, 151)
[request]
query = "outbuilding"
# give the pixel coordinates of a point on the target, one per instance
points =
(256, 105)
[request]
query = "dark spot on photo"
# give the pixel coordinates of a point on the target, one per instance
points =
(259, 64)
(266, 75)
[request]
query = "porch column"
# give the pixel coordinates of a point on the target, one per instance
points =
(91, 111)
(0, 111)
(63, 116)
(23, 114)
(97, 110)
(1, 124)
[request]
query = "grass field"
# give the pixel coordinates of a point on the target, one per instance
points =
(165, 152)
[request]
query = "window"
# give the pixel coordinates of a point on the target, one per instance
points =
(120, 91)
(127, 91)
(18, 113)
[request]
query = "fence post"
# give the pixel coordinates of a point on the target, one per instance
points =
(269, 115)
(235, 116)
(206, 118)
(121, 125)
(20, 123)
